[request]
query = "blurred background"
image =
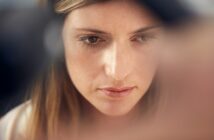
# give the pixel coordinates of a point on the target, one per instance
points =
(26, 32)
(185, 108)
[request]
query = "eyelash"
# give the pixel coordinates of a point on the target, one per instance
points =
(86, 40)
(138, 38)
(143, 38)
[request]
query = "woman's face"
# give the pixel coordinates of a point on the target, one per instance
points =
(111, 54)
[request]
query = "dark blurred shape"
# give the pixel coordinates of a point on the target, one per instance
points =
(171, 12)
(22, 52)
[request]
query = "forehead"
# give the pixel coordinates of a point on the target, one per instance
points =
(111, 15)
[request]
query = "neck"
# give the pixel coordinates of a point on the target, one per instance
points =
(96, 119)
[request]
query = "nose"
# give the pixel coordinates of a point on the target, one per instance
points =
(118, 61)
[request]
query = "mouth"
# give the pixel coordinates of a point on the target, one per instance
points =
(117, 91)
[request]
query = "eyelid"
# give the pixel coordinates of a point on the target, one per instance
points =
(101, 42)
(146, 35)
(82, 38)
(104, 37)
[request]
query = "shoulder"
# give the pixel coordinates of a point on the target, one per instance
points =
(15, 122)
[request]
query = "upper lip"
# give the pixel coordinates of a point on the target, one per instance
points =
(117, 89)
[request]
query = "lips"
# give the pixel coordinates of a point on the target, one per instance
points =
(117, 91)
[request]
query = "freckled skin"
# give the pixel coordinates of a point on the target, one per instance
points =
(117, 60)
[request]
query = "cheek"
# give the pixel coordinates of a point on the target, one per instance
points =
(144, 70)
(82, 68)
(147, 61)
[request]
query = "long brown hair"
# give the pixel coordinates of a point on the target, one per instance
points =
(55, 100)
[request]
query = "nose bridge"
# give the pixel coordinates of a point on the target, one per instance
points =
(117, 61)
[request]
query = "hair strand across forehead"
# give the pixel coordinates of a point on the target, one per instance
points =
(65, 6)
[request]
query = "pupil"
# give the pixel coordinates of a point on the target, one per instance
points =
(93, 39)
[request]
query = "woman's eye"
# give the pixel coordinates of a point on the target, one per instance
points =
(143, 38)
(91, 40)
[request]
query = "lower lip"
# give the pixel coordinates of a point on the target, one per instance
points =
(115, 94)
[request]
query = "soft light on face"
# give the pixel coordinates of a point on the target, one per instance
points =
(111, 54)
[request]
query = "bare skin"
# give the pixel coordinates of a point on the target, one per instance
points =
(111, 56)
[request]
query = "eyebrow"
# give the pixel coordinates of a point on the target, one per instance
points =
(92, 30)
(144, 29)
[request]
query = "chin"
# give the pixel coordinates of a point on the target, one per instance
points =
(115, 112)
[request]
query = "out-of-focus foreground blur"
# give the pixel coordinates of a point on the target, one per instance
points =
(185, 110)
